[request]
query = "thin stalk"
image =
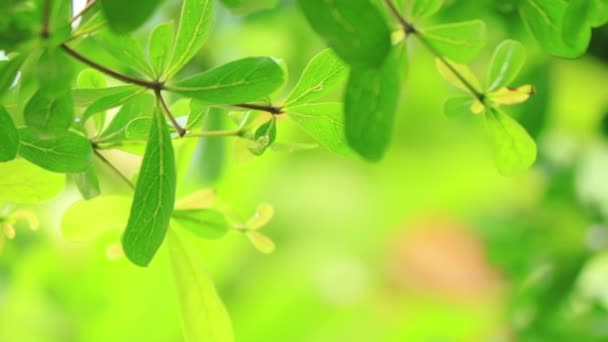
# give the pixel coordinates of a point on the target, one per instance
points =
(82, 12)
(266, 108)
(180, 130)
(114, 168)
(46, 17)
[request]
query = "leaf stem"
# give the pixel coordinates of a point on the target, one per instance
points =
(46, 14)
(113, 167)
(112, 73)
(86, 8)
(409, 28)
(180, 130)
(266, 108)
(211, 134)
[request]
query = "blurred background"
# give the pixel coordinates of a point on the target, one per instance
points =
(431, 244)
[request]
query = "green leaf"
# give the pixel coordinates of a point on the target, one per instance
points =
(370, 103)
(263, 214)
(355, 29)
(154, 196)
(8, 72)
(424, 8)
(324, 72)
(55, 71)
(110, 212)
(9, 137)
(264, 137)
(85, 97)
(160, 47)
(69, 153)
(261, 242)
(458, 75)
(126, 16)
(203, 314)
(49, 114)
(599, 15)
(514, 149)
(111, 101)
(544, 19)
(125, 50)
(458, 106)
(507, 61)
(244, 80)
(211, 161)
(91, 78)
(198, 111)
(138, 128)
(576, 32)
(195, 23)
(87, 183)
(325, 123)
(207, 224)
(136, 107)
(248, 6)
(24, 182)
(460, 42)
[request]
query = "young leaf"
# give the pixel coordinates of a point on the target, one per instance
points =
(261, 242)
(198, 200)
(325, 123)
(139, 128)
(244, 80)
(370, 103)
(138, 106)
(204, 316)
(198, 112)
(159, 47)
(460, 42)
(109, 212)
(514, 149)
(111, 101)
(68, 153)
(264, 137)
(511, 96)
(9, 137)
(207, 224)
(507, 60)
(126, 16)
(424, 8)
(55, 71)
(355, 29)
(324, 72)
(87, 183)
(24, 182)
(49, 114)
(154, 196)
(458, 106)
(125, 50)
(263, 214)
(462, 80)
(248, 6)
(195, 23)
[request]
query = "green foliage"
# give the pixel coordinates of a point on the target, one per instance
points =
(154, 196)
(24, 182)
(460, 42)
(507, 61)
(248, 6)
(9, 137)
(126, 16)
(514, 150)
(48, 113)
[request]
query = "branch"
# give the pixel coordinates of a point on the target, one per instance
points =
(115, 74)
(113, 168)
(270, 109)
(180, 130)
(46, 14)
(407, 26)
(86, 8)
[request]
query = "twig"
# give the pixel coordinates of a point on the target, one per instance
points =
(86, 8)
(270, 109)
(180, 130)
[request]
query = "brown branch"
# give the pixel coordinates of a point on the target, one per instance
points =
(46, 17)
(266, 108)
(86, 8)
(180, 130)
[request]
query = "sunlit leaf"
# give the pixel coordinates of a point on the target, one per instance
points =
(204, 316)
(68, 153)
(126, 16)
(49, 114)
(424, 8)
(207, 223)
(125, 50)
(87, 183)
(355, 29)
(324, 72)
(9, 137)
(460, 42)
(263, 214)
(154, 196)
(110, 212)
(24, 182)
(511, 96)
(507, 60)
(160, 47)
(55, 71)
(576, 32)
(261, 242)
(264, 137)
(458, 106)
(458, 75)
(248, 6)
(198, 200)
(8, 72)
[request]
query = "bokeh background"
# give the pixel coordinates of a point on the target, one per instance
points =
(431, 244)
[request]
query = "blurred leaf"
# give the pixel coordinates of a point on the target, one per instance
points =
(125, 50)
(139, 128)
(325, 123)
(324, 72)
(355, 29)
(248, 6)
(244, 80)
(126, 16)
(370, 103)
(204, 316)
(9, 137)
(424, 8)
(508, 59)
(198, 112)
(206, 224)
(8, 72)
(55, 71)
(514, 150)
(458, 106)
(24, 182)
(87, 183)
(86, 96)
(461, 78)
(198, 200)
(160, 47)
(263, 214)
(154, 196)
(511, 96)
(87, 220)
(460, 42)
(139, 106)
(261, 242)
(195, 24)
(264, 137)
(113, 100)
(576, 31)
(69, 153)
(49, 114)
(599, 15)
(91, 78)
(210, 151)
